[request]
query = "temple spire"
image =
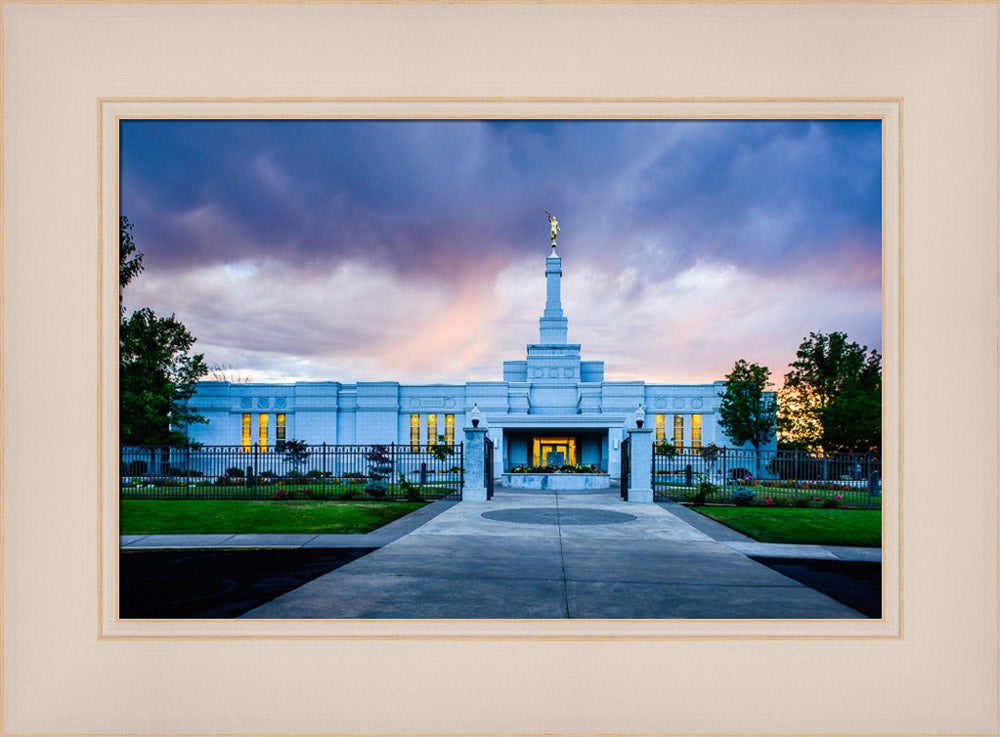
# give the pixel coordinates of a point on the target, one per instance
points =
(553, 324)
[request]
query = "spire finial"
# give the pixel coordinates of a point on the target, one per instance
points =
(553, 228)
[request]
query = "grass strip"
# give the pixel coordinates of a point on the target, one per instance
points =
(184, 517)
(859, 527)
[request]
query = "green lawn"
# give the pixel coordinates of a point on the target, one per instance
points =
(862, 527)
(176, 516)
(816, 492)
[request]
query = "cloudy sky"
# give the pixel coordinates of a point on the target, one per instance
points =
(415, 250)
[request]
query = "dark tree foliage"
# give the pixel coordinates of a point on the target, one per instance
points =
(129, 262)
(836, 389)
(156, 371)
(296, 452)
(747, 410)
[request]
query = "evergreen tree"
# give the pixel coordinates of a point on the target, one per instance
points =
(747, 410)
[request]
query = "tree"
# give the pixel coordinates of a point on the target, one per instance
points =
(747, 410)
(228, 373)
(798, 428)
(441, 449)
(832, 398)
(156, 372)
(129, 262)
(296, 453)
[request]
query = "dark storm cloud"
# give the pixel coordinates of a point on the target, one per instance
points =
(434, 196)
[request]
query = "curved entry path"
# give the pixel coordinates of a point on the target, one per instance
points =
(541, 555)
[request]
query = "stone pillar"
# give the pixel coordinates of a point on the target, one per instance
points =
(474, 485)
(641, 465)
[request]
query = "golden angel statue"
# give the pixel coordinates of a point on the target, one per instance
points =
(553, 227)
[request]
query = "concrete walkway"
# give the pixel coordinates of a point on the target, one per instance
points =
(534, 555)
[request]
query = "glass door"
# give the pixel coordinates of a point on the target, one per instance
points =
(554, 451)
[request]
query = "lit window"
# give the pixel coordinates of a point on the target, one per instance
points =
(660, 421)
(679, 432)
(414, 433)
(432, 429)
(696, 433)
(449, 429)
(247, 432)
(262, 432)
(279, 433)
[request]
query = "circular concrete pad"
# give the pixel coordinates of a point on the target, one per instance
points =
(552, 516)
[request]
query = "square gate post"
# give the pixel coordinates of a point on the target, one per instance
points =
(640, 472)
(474, 487)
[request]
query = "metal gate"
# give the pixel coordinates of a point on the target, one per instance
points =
(489, 469)
(626, 457)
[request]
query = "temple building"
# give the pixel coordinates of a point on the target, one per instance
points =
(549, 407)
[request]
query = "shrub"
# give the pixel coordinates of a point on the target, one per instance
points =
(349, 493)
(742, 497)
(381, 462)
(705, 490)
(802, 501)
(266, 474)
(411, 491)
(314, 474)
(290, 494)
(376, 489)
(739, 473)
(235, 472)
(353, 475)
(663, 448)
(136, 468)
(441, 450)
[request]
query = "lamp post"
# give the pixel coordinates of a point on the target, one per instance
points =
(640, 416)
(474, 415)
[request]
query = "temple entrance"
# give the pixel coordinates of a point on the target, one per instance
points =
(554, 451)
(555, 446)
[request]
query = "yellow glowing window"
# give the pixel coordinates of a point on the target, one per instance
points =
(449, 429)
(414, 433)
(279, 433)
(679, 432)
(696, 433)
(432, 429)
(262, 433)
(660, 421)
(247, 432)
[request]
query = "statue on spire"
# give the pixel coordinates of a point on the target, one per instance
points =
(553, 227)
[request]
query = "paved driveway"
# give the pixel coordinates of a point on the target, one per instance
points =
(542, 555)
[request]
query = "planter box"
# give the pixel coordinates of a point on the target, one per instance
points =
(556, 481)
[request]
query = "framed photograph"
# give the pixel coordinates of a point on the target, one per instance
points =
(363, 357)
(76, 76)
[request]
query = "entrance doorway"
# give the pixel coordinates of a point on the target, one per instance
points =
(554, 451)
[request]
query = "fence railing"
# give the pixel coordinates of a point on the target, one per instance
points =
(785, 477)
(391, 471)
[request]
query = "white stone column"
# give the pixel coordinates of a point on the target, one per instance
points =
(474, 484)
(640, 465)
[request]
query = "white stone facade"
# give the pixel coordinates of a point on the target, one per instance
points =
(542, 402)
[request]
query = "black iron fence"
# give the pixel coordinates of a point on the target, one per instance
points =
(324, 471)
(626, 466)
(768, 477)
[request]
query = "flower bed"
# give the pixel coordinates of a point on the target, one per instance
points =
(578, 468)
